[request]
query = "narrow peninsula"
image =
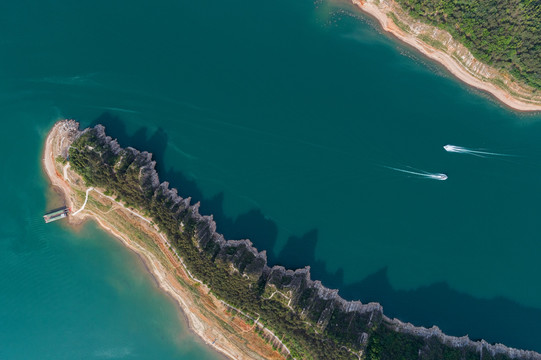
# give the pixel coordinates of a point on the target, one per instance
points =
(490, 45)
(232, 298)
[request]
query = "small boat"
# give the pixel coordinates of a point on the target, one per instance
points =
(56, 214)
(440, 177)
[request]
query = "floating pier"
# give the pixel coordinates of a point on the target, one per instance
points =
(56, 214)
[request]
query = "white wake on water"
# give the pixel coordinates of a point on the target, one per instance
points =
(474, 152)
(421, 174)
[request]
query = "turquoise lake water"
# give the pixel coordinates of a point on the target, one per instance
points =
(283, 119)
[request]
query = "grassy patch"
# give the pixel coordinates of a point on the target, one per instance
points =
(432, 42)
(401, 25)
(60, 159)
(98, 205)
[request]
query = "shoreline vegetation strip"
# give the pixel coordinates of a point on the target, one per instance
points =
(309, 320)
(444, 34)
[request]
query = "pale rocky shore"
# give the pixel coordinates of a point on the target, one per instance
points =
(481, 346)
(290, 283)
(454, 56)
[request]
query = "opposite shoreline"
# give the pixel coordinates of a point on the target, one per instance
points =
(476, 75)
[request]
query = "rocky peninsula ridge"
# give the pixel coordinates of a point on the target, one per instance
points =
(322, 308)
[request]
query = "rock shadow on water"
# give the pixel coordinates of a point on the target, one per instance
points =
(140, 139)
(251, 225)
(495, 320)
(456, 313)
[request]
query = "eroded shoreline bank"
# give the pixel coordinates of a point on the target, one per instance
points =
(451, 54)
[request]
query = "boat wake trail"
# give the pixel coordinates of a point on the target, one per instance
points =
(420, 174)
(474, 152)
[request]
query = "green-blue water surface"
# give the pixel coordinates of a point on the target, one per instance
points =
(282, 118)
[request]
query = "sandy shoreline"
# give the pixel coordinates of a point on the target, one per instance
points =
(379, 12)
(203, 312)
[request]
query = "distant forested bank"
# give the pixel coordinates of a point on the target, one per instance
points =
(502, 33)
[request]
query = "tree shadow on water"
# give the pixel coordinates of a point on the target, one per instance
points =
(456, 313)
(140, 139)
(495, 320)
(251, 225)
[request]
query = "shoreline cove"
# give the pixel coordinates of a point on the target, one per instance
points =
(450, 54)
(208, 317)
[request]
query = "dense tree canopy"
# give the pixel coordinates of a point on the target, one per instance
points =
(503, 33)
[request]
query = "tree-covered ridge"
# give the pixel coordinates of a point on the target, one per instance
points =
(311, 320)
(126, 173)
(502, 33)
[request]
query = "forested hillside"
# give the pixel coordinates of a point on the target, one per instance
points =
(503, 33)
